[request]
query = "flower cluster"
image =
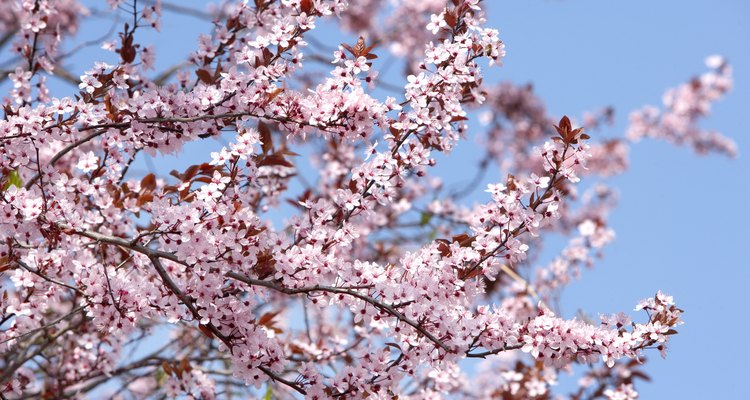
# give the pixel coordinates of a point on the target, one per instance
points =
(378, 283)
(683, 107)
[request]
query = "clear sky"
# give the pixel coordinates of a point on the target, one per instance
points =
(682, 225)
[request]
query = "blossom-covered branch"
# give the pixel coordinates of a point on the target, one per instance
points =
(378, 283)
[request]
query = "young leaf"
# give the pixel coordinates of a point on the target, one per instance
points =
(14, 179)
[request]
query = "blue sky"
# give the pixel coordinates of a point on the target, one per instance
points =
(681, 224)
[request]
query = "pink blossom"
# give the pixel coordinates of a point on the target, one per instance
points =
(314, 251)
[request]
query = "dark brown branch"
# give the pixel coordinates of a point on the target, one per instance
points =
(347, 291)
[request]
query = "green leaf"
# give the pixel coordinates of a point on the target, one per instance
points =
(426, 217)
(160, 376)
(269, 393)
(13, 179)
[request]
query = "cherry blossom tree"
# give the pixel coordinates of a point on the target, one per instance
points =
(381, 283)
